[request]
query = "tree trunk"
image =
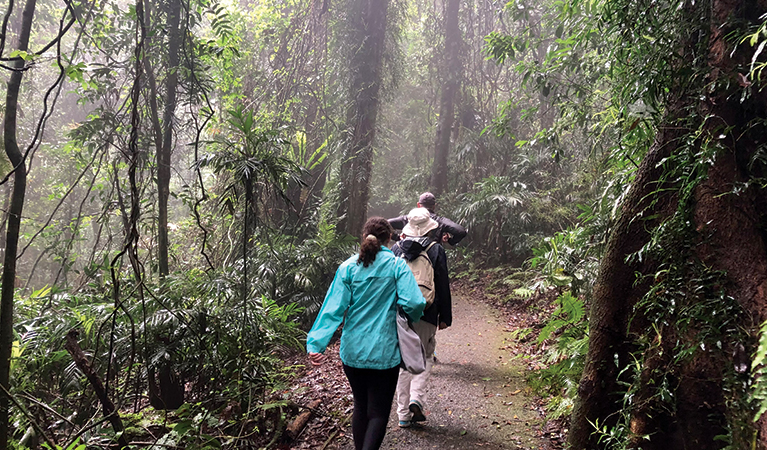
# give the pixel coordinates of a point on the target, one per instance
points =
(14, 220)
(316, 132)
(170, 394)
(450, 86)
(367, 19)
(724, 239)
(615, 295)
(164, 157)
(304, 198)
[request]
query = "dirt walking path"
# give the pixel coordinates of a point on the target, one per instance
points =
(477, 396)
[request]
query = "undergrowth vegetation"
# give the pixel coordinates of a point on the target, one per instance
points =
(192, 339)
(565, 267)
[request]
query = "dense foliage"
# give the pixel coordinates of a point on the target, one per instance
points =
(184, 162)
(670, 97)
(189, 166)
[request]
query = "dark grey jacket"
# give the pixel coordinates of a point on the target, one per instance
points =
(446, 225)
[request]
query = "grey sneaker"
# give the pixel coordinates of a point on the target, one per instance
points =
(417, 409)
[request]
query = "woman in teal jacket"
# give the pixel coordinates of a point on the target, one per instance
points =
(366, 290)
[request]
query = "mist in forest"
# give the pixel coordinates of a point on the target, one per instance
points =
(183, 178)
(439, 96)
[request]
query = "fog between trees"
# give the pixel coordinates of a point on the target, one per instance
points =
(183, 178)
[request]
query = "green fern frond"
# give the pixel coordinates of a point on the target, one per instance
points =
(524, 292)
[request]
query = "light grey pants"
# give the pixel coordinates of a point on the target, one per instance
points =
(413, 387)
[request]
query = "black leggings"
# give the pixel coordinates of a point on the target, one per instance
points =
(373, 392)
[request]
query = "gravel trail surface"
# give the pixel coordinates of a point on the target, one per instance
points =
(478, 394)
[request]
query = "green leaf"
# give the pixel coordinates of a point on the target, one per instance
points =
(267, 406)
(524, 292)
(26, 56)
(757, 52)
(211, 441)
(761, 351)
(183, 427)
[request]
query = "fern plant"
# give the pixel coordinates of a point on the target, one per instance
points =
(563, 261)
(494, 209)
(565, 358)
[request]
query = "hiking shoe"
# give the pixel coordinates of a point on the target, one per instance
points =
(404, 424)
(417, 410)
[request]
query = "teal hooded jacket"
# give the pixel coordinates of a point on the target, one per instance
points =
(368, 296)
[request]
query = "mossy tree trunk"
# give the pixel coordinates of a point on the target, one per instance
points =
(367, 21)
(695, 230)
(448, 96)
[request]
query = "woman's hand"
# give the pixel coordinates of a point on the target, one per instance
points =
(316, 358)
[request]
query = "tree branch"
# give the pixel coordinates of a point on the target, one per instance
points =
(82, 363)
(3, 34)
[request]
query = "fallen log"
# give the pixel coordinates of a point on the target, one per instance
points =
(82, 363)
(298, 424)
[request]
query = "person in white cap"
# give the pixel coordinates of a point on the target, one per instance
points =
(418, 247)
(447, 231)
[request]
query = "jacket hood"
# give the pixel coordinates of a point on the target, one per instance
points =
(413, 246)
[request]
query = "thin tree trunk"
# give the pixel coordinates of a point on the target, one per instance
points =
(164, 158)
(14, 220)
(6, 214)
(316, 131)
(450, 88)
(368, 21)
(107, 406)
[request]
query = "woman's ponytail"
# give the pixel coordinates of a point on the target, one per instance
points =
(375, 233)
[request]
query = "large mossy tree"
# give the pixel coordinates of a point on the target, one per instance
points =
(672, 94)
(682, 285)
